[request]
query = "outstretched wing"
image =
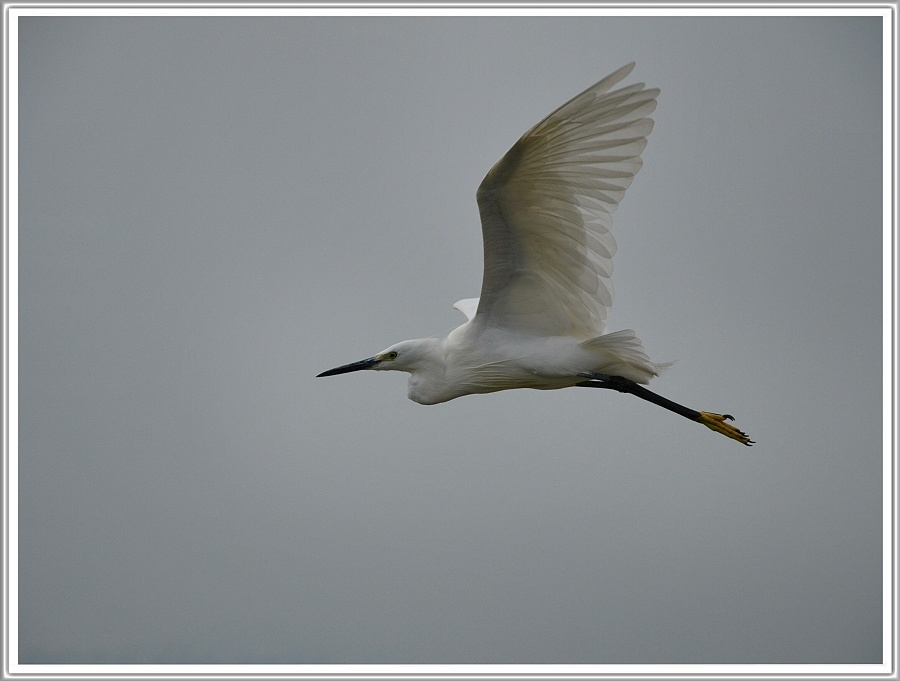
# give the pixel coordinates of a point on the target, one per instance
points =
(545, 212)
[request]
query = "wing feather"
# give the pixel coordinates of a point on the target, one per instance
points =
(545, 212)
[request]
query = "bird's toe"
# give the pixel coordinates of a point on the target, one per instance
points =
(717, 422)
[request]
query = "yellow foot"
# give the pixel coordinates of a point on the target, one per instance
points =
(717, 423)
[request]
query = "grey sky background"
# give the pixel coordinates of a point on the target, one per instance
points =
(214, 210)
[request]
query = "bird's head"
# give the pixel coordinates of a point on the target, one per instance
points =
(403, 356)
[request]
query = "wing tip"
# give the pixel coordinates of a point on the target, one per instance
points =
(468, 306)
(615, 76)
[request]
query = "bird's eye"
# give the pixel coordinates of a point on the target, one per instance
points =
(392, 355)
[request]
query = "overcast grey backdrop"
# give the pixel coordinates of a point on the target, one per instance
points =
(214, 210)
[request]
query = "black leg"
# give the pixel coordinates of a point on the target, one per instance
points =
(713, 421)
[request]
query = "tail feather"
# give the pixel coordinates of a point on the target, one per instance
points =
(621, 354)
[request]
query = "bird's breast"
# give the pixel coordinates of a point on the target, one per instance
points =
(426, 390)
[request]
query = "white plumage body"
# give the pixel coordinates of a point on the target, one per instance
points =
(470, 361)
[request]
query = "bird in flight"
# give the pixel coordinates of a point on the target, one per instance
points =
(545, 218)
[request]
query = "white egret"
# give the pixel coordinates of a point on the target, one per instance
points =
(545, 216)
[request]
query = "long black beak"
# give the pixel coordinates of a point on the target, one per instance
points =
(355, 366)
